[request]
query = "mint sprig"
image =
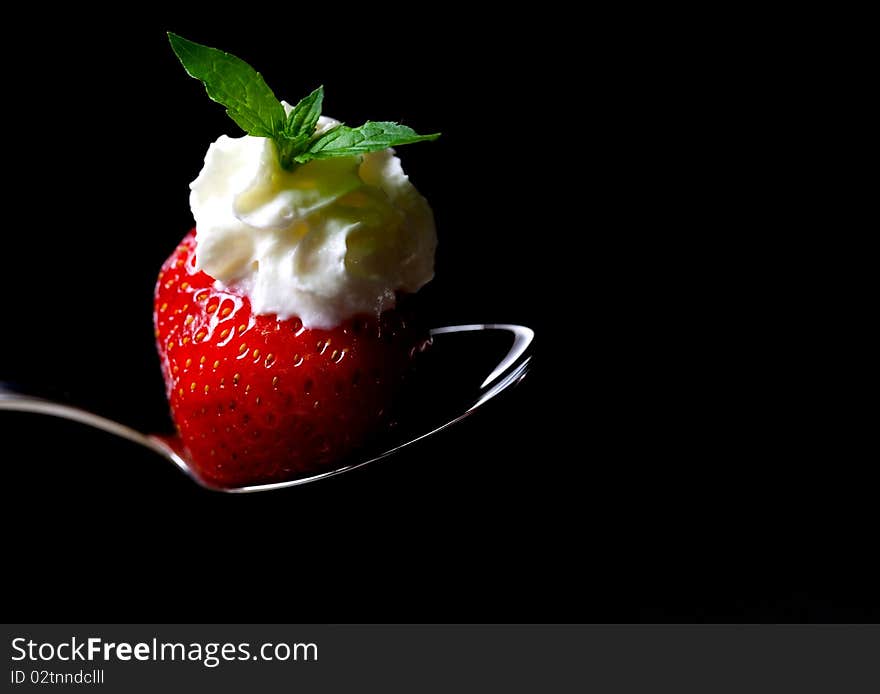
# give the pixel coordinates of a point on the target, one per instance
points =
(250, 102)
(234, 84)
(343, 141)
(304, 116)
(299, 128)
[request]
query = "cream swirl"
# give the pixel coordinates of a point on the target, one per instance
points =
(324, 242)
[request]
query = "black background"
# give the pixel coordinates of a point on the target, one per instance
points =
(595, 182)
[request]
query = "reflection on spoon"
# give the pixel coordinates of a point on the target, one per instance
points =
(450, 380)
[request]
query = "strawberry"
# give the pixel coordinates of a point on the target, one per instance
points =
(256, 399)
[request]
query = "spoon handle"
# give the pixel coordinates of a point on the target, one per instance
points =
(14, 398)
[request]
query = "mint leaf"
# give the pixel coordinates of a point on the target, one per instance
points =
(300, 126)
(372, 136)
(304, 116)
(234, 84)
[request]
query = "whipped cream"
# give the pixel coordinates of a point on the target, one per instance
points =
(329, 240)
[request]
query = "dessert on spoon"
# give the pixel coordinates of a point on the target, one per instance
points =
(287, 321)
(283, 338)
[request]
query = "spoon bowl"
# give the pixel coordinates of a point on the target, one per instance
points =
(469, 365)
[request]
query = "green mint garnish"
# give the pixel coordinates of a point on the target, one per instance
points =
(343, 141)
(234, 84)
(299, 128)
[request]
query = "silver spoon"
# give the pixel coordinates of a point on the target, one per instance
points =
(510, 370)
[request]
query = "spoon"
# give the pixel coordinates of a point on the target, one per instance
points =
(450, 402)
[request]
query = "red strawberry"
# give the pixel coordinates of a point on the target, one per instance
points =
(259, 400)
